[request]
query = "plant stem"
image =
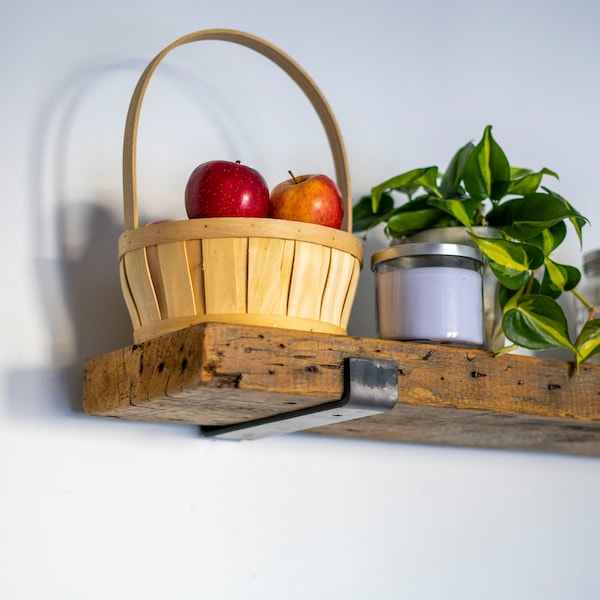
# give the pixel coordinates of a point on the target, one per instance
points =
(581, 299)
(505, 349)
(292, 176)
(590, 308)
(530, 283)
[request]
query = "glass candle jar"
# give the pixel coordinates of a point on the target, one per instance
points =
(493, 337)
(430, 293)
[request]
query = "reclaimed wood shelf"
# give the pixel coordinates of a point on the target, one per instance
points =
(220, 374)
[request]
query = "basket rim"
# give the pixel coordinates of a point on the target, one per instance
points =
(239, 227)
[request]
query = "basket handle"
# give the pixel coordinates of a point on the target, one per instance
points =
(273, 53)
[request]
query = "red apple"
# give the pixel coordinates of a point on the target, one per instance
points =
(219, 188)
(308, 198)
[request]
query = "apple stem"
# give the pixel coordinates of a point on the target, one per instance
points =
(292, 176)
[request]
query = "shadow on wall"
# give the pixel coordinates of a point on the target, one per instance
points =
(86, 310)
(79, 288)
(85, 316)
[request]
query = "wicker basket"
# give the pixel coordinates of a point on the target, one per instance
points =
(267, 272)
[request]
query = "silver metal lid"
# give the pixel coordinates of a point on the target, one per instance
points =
(426, 249)
(591, 262)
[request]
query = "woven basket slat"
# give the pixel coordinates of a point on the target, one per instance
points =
(140, 283)
(194, 257)
(270, 263)
(129, 301)
(309, 275)
(175, 280)
(155, 279)
(224, 264)
(350, 294)
(336, 289)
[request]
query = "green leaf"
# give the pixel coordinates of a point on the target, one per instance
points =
(526, 217)
(511, 262)
(461, 210)
(450, 184)
(487, 170)
(518, 172)
(407, 183)
(525, 181)
(509, 277)
(550, 239)
(577, 220)
(558, 278)
(508, 297)
(363, 217)
(588, 342)
(537, 323)
(406, 223)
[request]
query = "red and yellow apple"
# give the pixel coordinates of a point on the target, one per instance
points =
(220, 188)
(308, 198)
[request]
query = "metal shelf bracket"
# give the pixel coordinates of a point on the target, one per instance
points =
(370, 388)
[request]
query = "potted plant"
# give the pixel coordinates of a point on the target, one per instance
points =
(480, 188)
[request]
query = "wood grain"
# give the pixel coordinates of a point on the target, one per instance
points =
(214, 374)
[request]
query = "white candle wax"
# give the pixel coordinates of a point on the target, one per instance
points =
(441, 304)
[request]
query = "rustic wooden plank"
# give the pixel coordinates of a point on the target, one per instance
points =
(216, 374)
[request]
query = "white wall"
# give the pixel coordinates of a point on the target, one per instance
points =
(98, 509)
